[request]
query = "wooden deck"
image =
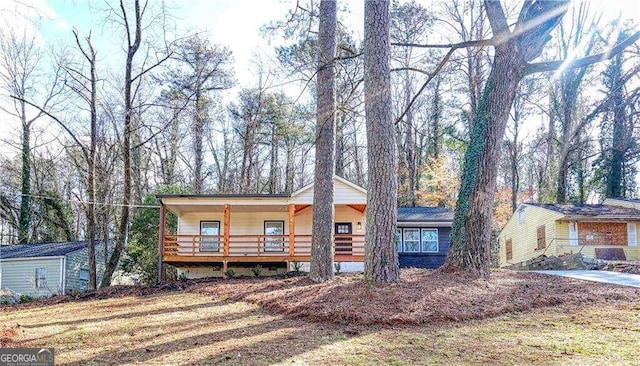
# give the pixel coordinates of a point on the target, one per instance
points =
(199, 249)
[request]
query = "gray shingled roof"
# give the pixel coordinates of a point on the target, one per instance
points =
(40, 250)
(588, 210)
(424, 214)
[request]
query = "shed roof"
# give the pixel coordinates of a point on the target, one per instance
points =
(424, 214)
(40, 250)
(589, 211)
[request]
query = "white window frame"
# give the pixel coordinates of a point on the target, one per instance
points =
(573, 234)
(274, 244)
(522, 218)
(209, 244)
(632, 234)
(404, 240)
(40, 277)
(422, 242)
(399, 240)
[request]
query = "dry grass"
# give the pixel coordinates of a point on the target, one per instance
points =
(204, 325)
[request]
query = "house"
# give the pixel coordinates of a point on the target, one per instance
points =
(220, 231)
(603, 231)
(423, 236)
(48, 268)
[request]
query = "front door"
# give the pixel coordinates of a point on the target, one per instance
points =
(344, 241)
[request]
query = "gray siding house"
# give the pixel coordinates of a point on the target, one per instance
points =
(48, 268)
(423, 236)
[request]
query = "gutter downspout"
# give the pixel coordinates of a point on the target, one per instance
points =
(63, 275)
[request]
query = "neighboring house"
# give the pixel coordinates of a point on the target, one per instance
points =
(605, 231)
(48, 268)
(218, 232)
(423, 236)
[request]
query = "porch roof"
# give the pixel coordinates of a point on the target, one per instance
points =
(179, 204)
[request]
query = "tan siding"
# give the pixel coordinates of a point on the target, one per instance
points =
(241, 223)
(342, 194)
(19, 276)
(252, 223)
(524, 235)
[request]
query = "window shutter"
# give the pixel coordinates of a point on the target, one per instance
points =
(573, 234)
(632, 234)
(541, 236)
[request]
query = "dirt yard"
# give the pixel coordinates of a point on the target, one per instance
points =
(427, 318)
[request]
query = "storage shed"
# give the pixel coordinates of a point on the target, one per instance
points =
(47, 269)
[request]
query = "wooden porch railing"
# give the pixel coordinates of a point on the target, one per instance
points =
(203, 248)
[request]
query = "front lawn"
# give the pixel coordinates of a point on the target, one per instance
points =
(230, 322)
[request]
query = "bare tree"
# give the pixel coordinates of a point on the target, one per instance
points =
(132, 22)
(22, 77)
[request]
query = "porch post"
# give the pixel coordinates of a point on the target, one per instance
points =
(227, 220)
(161, 229)
(292, 229)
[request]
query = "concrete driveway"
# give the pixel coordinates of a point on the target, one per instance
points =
(614, 278)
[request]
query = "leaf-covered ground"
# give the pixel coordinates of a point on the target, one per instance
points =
(427, 318)
(420, 297)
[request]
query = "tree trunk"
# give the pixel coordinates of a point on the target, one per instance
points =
(25, 202)
(619, 146)
(471, 233)
(123, 230)
(198, 133)
(91, 174)
(381, 257)
(323, 210)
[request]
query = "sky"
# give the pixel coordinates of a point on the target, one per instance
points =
(234, 23)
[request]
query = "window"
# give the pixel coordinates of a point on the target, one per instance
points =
(541, 236)
(509, 250)
(521, 216)
(430, 240)
(83, 276)
(210, 236)
(415, 240)
(41, 277)
(274, 236)
(411, 240)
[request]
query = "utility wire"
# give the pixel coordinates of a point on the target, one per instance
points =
(87, 202)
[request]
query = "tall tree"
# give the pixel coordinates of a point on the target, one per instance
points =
(323, 210)
(201, 68)
(381, 256)
(21, 76)
(573, 40)
(514, 50)
(619, 141)
(471, 232)
(87, 90)
(132, 21)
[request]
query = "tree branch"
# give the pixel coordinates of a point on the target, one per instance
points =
(73, 136)
(582, 62)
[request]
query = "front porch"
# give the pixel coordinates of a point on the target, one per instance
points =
(188, 249)
(218, 231)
